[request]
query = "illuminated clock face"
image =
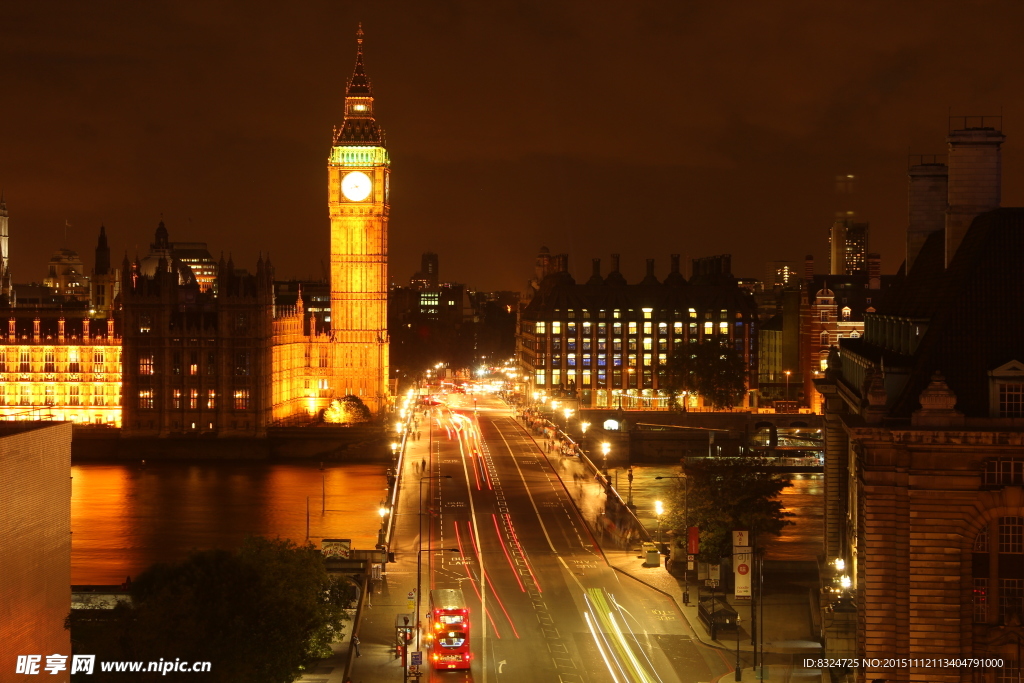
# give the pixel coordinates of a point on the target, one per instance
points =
(356, 186)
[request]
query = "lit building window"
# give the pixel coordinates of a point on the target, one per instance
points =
(146, 364)
(146, 399)
(846, 313)
(709, 329)
(647, 344)
(556, 327)
(176, 398)
(723, 329)
(211, 398)
(74, 398)
(193, 399)
(541, 327)
(241, 399)
(647, 313)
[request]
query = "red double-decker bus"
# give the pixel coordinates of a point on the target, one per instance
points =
(449, 629)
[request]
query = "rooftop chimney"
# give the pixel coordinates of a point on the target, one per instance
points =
(928, 200)
(975, 170)
(874, 271)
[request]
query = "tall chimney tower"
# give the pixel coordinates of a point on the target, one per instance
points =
(929, 181)
(975, 170)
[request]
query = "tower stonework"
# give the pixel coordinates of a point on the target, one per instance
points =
(358, 186)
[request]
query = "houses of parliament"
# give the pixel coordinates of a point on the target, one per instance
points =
(178, 344)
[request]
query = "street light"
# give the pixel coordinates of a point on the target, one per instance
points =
(605, 447)
(419, 562)
(658, 509)
(584, 426)
(787, 373)
(686, 525)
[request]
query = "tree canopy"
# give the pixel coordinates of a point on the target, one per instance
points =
(726, 495)
(260, 614)
(713, 371)
(347, 410)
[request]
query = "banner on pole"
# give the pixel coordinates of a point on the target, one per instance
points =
(741, 562)
(693, 540)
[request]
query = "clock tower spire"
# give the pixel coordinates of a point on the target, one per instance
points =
(358, 186)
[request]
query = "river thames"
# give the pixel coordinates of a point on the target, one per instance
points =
(126, 517)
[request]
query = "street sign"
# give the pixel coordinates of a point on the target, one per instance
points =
(336, 548)
(713, 583)
(411, 595)
(715, 571)
(414, 669)
(416, 658)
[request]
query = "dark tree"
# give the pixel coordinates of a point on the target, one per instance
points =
(260, 615)
(710, 370)
(726, 495)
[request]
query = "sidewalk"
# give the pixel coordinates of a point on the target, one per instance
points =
(374, 621)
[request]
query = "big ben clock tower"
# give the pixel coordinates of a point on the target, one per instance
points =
(357, 188)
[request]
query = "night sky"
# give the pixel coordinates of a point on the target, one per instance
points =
(644, 128)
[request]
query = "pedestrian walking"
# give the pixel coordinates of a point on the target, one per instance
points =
(355, 644)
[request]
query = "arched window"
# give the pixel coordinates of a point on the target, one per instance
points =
(846, 312)
(824, 338)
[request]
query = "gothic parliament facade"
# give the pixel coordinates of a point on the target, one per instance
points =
(208, 349)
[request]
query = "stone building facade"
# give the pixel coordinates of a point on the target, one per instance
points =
(924, 523)
(60, 369)
(35, 545)
(194, 363)
(607, 343)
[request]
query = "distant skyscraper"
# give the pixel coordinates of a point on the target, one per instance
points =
(848, 246)
(358, 204)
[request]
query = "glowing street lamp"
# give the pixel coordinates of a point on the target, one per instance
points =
(659, 509)
(584, 426)
(787, 373)
(605, 448)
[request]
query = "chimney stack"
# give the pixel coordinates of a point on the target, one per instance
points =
(874, 271)
(975, 175)
(928, 201)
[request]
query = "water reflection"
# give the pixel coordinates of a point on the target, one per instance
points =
(125, 517)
